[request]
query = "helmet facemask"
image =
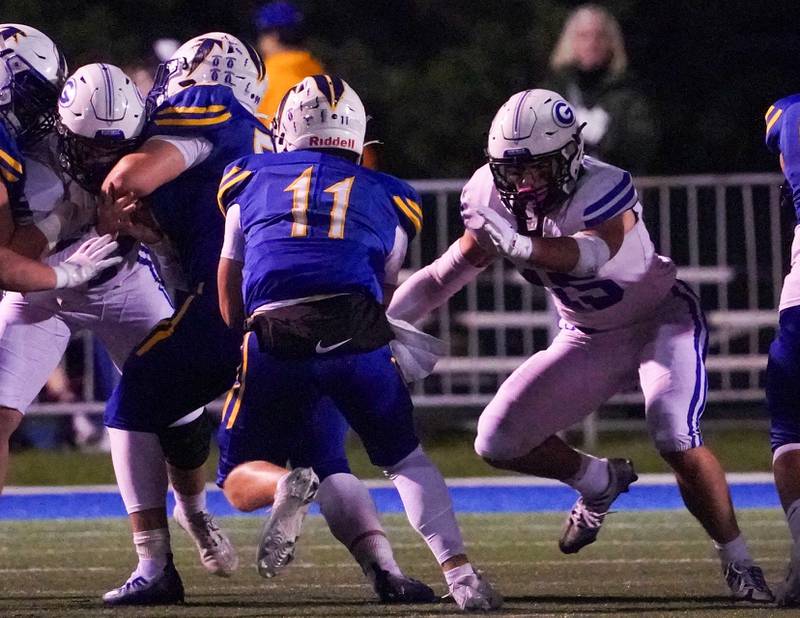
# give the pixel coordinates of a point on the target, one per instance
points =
(550, 178)
(29, 112)
(88, 160)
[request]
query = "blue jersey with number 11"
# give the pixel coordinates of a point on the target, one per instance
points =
(315, 224)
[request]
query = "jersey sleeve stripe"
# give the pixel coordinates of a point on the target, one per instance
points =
(415, 219)
(771, 122)
(769, 111)
(415, 207)
(621, 186)
(193, 122)
(8, 176)
(627, 201)
(231, 172)
(226, 186)
(177, 109)
(11, 161)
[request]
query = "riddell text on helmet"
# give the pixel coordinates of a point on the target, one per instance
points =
(333, 142)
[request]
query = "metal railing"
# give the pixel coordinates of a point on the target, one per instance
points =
(726, 233)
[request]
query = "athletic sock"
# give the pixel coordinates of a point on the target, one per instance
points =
(734, 551)
(191, 504)
(793, 519)
(353, 520)
(453, 575)
(592, 478)
(152, 547)
(427, 504)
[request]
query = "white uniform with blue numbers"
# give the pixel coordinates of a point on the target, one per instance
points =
(633, 317)
(629, 286)
(35, 328)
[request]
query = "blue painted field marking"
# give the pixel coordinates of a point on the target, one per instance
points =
(469, 496)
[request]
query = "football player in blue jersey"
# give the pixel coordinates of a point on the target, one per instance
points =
(201, 118)
(313, 246)
(783, 367)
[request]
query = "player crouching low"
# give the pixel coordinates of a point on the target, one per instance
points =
(314, 243)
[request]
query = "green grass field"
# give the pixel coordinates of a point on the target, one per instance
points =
(738, 450)
(645, 564)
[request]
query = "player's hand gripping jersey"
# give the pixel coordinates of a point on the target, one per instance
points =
(185, 207)
(628, 287)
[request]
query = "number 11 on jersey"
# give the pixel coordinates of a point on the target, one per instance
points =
(300, 189)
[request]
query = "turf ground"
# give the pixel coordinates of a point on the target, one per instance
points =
(655, 563)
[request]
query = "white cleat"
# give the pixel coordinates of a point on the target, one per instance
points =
(473, 593)
(216, 551)
(746, 582)
(586, 518)
(279, 535)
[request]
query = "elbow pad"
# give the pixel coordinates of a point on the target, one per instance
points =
(593, 252)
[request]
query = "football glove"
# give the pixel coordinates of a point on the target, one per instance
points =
(508, 242)
(88, 260)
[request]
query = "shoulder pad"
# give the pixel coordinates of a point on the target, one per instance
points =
(233, 181)
(406, 202)
(603, 192)
(774, 121)
(197, 107)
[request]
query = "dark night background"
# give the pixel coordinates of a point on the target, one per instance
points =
(434, 71)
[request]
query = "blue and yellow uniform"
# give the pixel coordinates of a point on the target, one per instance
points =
(12, 175)
(783, 368)
(191, 358)
(317, 229)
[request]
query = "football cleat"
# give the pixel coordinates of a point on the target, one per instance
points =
(787, 594)
(216, 551)
(586, 518)
(473, 593)
(746, 582)
(166, 589)
(392, 588)
(279, 536)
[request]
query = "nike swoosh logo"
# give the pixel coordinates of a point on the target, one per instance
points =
(323, 349)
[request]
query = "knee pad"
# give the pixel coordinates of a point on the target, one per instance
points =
(187, 446)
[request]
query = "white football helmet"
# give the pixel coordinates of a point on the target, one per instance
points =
(322, 111)
(100, 118)
(535, 129)
(216, 58)
(34, 73)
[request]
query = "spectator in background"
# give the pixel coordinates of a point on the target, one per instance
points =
(589, 66)
(281, 42)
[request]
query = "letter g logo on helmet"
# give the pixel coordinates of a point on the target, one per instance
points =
(563, 114)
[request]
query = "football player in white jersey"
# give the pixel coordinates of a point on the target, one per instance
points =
(31, 70)
(574, 225)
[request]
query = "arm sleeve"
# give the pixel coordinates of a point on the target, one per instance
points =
(395, 259)
(233, 245)
(195, 150)
(432, 286)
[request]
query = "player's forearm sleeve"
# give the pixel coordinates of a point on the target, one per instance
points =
(194, 150)
(433, 285)
(233, 245)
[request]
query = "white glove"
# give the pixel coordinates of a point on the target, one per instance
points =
(415, 352)
(90, 259)
(505, 237)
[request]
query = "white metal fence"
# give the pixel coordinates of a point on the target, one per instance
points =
(726, 233)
